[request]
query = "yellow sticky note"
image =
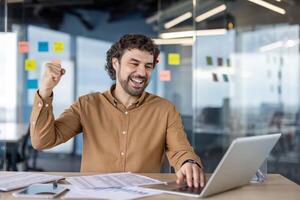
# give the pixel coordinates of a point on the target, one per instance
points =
(174, 59)
(30, 65)
(58, 47)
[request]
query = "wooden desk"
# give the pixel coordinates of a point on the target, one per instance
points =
(277, 187)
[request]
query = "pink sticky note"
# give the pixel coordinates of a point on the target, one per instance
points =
(165, 75)
(23, 47)
(56, 61)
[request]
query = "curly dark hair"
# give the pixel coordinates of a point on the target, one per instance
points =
(129, 41)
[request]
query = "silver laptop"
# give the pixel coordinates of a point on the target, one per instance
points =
(241, 161)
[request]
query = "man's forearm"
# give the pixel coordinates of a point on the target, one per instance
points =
(45, 130)
(42, 122)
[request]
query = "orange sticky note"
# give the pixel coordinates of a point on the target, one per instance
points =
(56, 61)
(30, 65)
(58, 47)
(23, 47)
(165, 75)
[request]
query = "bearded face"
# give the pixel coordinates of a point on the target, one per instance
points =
(134, 71)
(134, 84)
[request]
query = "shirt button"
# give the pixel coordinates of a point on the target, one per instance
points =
(122, 153)
(47, 105)
(126, 112)
(40, 104)
(124, 132)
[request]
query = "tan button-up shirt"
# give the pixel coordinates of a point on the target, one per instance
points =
(115, 139)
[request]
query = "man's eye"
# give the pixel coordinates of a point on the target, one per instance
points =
(134, 64)
(149, 67)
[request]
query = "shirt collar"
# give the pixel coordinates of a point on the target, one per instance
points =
(114, 101)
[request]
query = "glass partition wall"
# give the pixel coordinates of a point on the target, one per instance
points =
(175, 69)
(235, 73)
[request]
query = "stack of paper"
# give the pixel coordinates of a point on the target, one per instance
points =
(124, 193)
(121, 186)
(16, 180)
(111, 180)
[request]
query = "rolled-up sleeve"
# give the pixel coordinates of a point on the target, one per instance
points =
(45, 131)
(178, 148)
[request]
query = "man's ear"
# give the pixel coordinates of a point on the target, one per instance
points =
(115, 63)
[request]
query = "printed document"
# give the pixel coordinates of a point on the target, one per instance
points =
(113, 180)
(15, 180)
(125, 193)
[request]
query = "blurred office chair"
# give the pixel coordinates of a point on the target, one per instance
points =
(22, 152)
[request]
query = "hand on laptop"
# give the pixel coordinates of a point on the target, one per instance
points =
(193, 175)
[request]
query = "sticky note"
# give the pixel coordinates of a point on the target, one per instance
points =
(30, 65)
(225, 77)
(215, 77)
(220, 61)
(58, 47)
(174, 59)
(23, 47)
(32, 84)
(165, 75)
(43, 46)
(209, 60)
(56, 61)
(228, 62)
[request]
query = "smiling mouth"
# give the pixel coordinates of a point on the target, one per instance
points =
(137, 82)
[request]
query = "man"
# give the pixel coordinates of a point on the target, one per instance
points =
(124, 128)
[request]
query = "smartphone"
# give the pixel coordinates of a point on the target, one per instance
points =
(48, 191)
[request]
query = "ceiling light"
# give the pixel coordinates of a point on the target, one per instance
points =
(181, 41)
(153, 18)
(178, 20)
(181, 34)
(279, 45)
(210, 13)
(291, 43)
(269, 6)
(207, 32)
(14, 1)
(178, 34)
(271, 46)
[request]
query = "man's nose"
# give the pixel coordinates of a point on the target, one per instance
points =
(141, 70)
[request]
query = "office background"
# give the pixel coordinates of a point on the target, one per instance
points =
(230, 66)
